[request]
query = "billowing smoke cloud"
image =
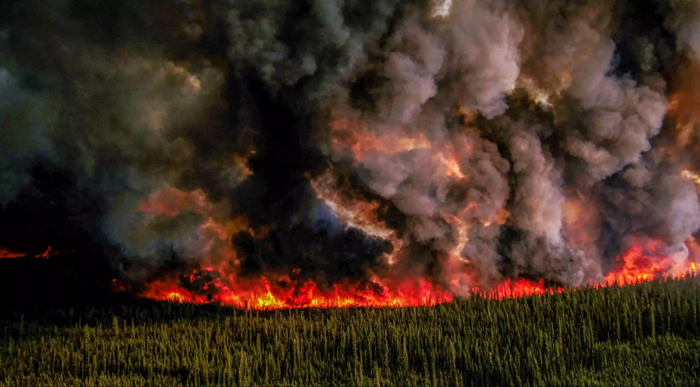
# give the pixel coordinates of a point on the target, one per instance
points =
(684, 21)
(457, 141)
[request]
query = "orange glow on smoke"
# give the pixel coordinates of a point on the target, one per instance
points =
(354, 134)
(581, 221)
(217, 230)
(683, 114)
(358, 214)
(643, 262)
(682, 108)
(498, 218)
(170, 201)
(462, 237)
(451, 165)
(692, 176)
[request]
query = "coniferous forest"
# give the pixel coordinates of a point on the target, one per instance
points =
(646, 335)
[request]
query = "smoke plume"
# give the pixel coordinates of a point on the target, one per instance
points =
(459, 142)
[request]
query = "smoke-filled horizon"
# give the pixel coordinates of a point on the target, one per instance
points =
(460, 142)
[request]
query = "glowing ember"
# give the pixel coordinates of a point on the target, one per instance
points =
(5, 253)
(46, 253)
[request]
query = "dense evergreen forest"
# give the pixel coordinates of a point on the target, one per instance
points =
(647, 334)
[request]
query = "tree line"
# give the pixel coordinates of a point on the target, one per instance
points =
(647, 334)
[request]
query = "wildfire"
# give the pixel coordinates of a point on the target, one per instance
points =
(46, 253)
(5, 253)
(261, 294)
(642, 262)
(518, 288)
(242, 166)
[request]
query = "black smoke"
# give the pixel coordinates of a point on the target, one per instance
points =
(544, 106)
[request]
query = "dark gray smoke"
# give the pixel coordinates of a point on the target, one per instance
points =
(480, 139)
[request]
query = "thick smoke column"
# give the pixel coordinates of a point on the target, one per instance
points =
(342, 141)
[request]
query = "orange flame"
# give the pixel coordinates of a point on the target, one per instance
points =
(518, 288)
(46, 253)
(5, 253)
(260, 294)
(642, 262)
